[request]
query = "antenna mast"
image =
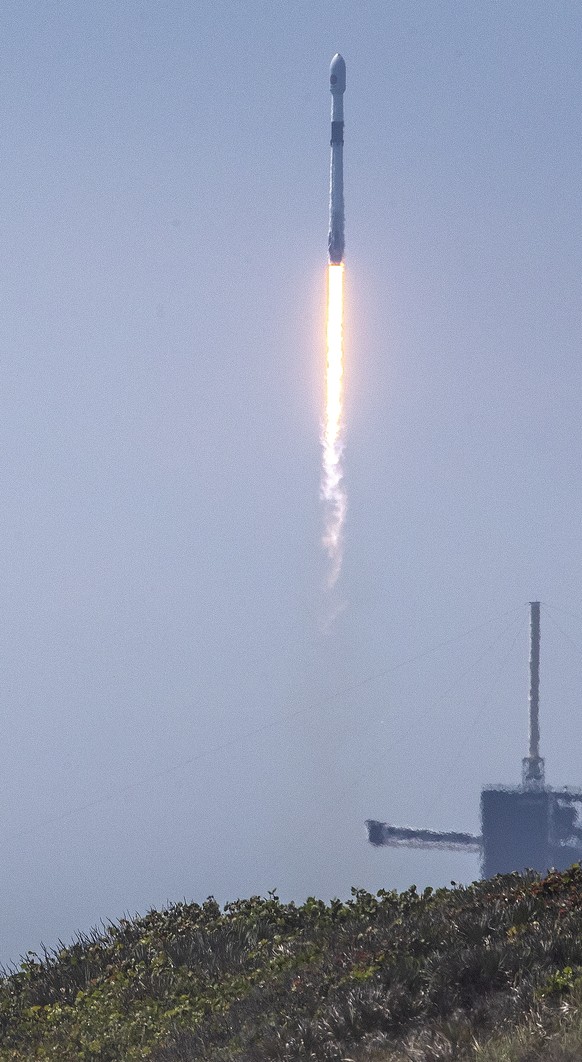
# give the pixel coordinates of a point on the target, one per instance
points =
(533, 764)
(522, 826)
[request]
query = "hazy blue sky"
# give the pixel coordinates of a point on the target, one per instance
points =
(175, 720)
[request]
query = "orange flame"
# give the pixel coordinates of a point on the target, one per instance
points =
(332, 489)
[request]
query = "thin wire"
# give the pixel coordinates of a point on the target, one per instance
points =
(493, 688)
(421, 716)
(577, 647)
(564, 611)
(242, 740)
(484, 654)
(474, 717)
(477, 716)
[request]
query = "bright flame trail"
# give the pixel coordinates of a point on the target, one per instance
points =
(332, 489)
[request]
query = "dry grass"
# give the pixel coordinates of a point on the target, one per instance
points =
(492, 972)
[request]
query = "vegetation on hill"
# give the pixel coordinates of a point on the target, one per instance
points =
(492, 971)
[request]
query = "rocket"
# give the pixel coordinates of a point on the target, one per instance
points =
(337, 84)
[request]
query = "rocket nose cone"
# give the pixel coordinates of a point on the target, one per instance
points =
(337, 74)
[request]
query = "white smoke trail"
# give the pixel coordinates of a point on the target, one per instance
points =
(332, 488)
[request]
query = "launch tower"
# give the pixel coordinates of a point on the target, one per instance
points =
(528, 826)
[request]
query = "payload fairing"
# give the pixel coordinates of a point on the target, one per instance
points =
(337, 84)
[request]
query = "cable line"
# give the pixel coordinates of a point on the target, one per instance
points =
(245, 739)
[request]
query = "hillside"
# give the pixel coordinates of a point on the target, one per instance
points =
(492, 971)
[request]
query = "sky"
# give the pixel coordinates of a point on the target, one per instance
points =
(180, 716)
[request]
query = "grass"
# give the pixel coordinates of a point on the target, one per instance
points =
(491, 972)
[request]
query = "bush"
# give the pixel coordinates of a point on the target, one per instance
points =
(391, 976)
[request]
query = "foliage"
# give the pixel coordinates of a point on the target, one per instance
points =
(469, 972)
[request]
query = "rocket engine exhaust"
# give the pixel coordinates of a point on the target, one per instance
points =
(332, 488)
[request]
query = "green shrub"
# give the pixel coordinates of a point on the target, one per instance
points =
(418, 976)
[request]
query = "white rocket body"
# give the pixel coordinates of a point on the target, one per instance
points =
(337, 84)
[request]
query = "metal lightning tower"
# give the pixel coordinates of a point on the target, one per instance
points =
(529, 826)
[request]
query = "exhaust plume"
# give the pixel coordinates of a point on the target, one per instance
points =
(332, 488)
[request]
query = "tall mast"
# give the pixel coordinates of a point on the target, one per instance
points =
(533, 764)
